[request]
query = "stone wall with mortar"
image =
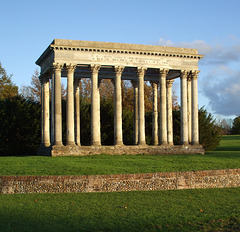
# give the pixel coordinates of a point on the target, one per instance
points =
(120, 182)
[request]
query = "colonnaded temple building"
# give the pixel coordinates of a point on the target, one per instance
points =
(76, 59)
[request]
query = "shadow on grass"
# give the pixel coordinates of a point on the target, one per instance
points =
(223, 155)
(232, 148)
(231, 137)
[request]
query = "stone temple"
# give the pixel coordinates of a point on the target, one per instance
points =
(76, 59)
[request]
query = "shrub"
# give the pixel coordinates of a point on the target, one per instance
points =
(209, 132)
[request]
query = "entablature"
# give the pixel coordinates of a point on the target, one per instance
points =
(85, 53)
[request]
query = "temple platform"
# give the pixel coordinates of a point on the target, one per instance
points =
(119, 150)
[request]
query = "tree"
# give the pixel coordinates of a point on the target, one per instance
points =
(236, 126)
(20, 121)
(209, 132)
(225, 126)
(7, 88)
(33, 91)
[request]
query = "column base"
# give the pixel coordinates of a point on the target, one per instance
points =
(170, 143)
(119, 143)
(142, 143)
(185, 143)
(70, 144)
(195, 143)
(96, 143)
(57, 143)
(163, 143)
(47, 144)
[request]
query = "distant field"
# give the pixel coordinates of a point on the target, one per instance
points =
(226, 156)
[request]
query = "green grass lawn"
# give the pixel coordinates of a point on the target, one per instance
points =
(173, 210)
(227, 155)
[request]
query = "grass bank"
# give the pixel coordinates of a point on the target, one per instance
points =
(226, 156)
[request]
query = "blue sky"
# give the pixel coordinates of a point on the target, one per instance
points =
(212, 26)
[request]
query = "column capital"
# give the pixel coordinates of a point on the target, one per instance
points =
(163, 72)
(95, 68)
(153, 83)
(57, 66)
(169, 83)
(189, 77)
(184, 73)
(70, 67)
(141, 70)
(118, 69)
(195, 73)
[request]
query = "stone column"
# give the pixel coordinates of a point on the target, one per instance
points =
(46, 115)
(189, 106)
(184, 116)
(118, 136)
(52, 109)
(169, 112)
(195, 133)
(57, 104)
(155, 114)
(141, 109)
(135, 126)
(70, 105)
(163, 108)
(77, 110)
(42, 111)
(95, 107)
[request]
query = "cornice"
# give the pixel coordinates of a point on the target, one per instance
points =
(127, 52)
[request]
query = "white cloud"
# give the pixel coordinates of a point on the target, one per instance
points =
(220, 73)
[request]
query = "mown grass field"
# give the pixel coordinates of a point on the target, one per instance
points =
(227, 155)
(174, 210)
(178, 210)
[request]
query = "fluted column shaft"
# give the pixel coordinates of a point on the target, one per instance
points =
(195, 132)
(57, 105)
(189, 106)
(135, 126)
(141, 108)
(184, 116)
(169, 112)
(155, 114)
(163, 108)
(77, 111)
(95, 107)
(70, 105)
(118, 135)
